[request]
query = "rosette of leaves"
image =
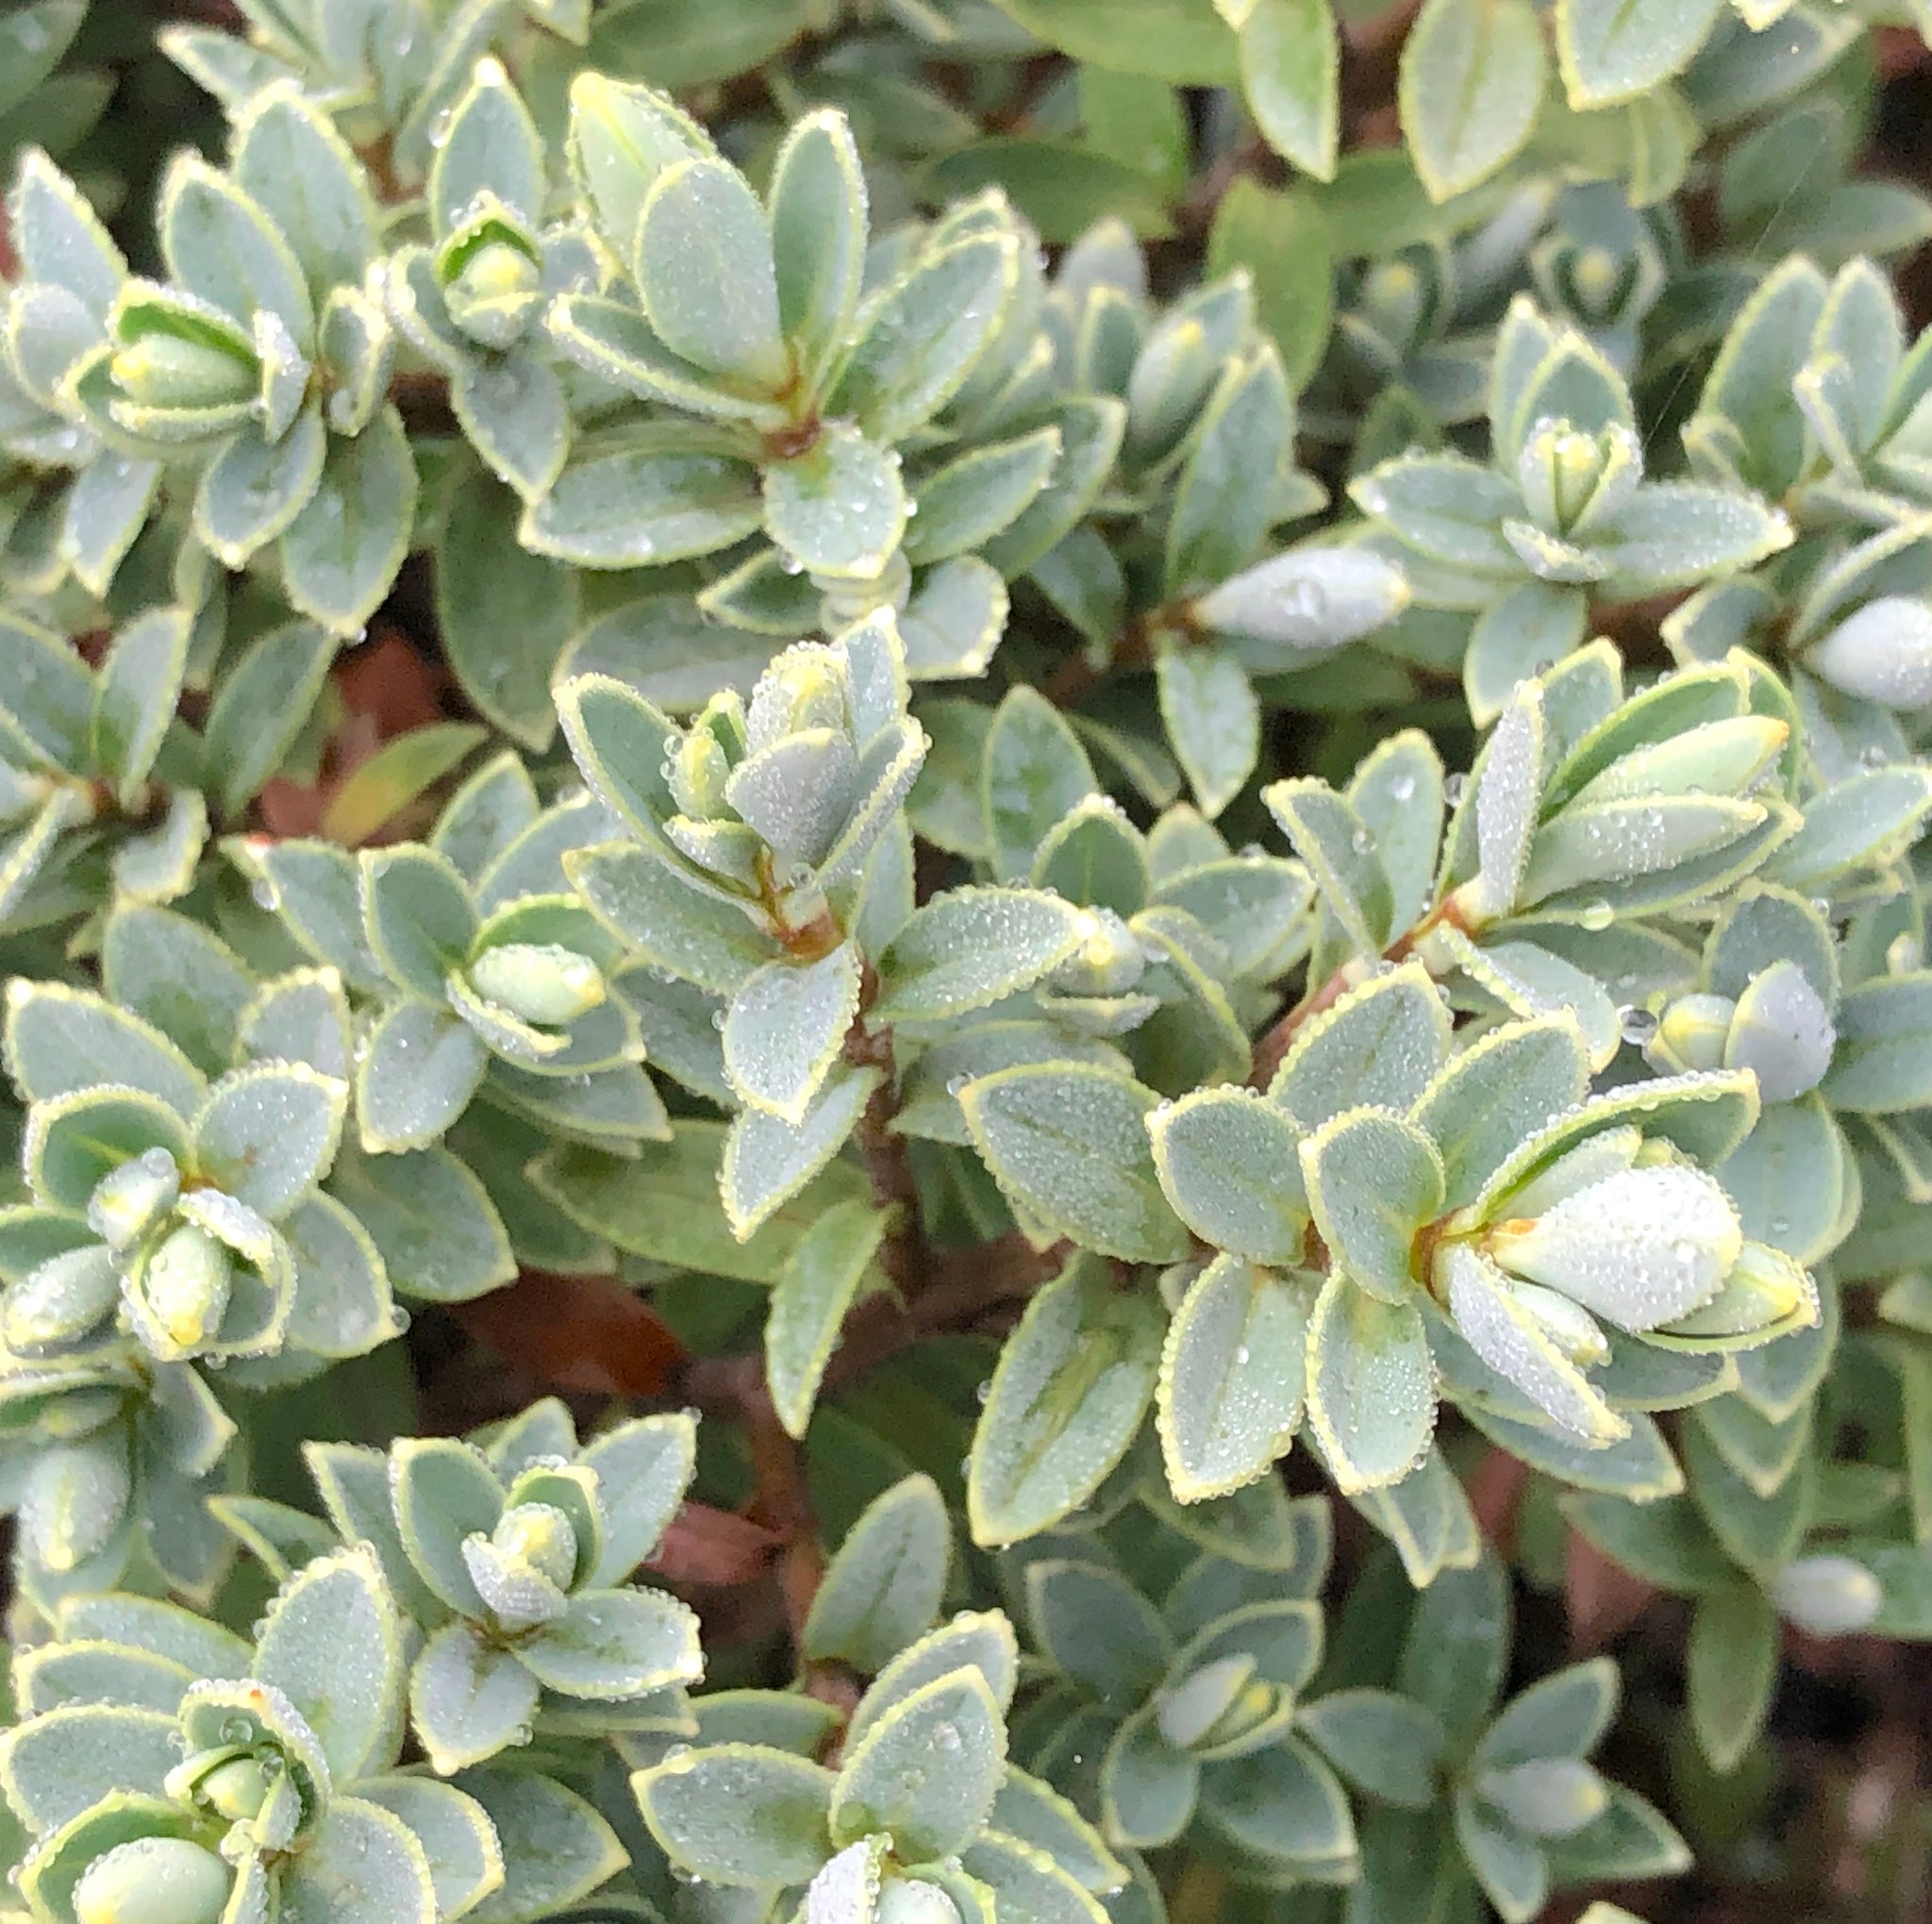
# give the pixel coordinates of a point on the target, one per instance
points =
(1601, 267)
(94, 772)
(171, 1771)
(1838, 429)
(1194, 1720)
(472, 302)
(1400, 325)
(489, 1011)
(263, 366)
(1467, 1791)
(509, 1554)
(1151, 954)
(1798, 1510)
(790, 384)
(77, 507)
(767, 859)
(390, 77)
(1562, 511)
(176, 1225)
(920, 1815)
(1460, 1791)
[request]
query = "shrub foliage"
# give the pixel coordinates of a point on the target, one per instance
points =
(1134, 827)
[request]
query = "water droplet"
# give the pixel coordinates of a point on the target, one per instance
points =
(1454, 789)
(1640, 1026)
(1596, 915)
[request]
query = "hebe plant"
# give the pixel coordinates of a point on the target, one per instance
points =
(753, 704)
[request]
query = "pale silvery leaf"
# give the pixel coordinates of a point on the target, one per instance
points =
(1068, 1143)
(1372, 1386)
(1514, 1342)
(882, 1591)
(968, 947)
(818, 214)
(784, 1028)
(1212, 719)
(1612, 54)
(927, 1771)
(1229, 1398)
(1308, 599)
(1506, 800)
(705, 271)
(1473, 74)
(1227, 1162)
(1072, 1387)
(1640, 1248)
(839, 509)
(1782, 1032)
(1291, 55)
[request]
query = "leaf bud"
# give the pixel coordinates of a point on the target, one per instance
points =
(805, 688)
(1188, 1711)
(699, 769)
(237, 1789)
(64, 1299)
(1829, 1596)
(1641, 1248)
(1553, 1796)
(1108, 961)
(540, 1535)
(518, 1596)
(168, 371)
(184, 1286)
(1691, 1035)
(1309, 599)
(130, 1200)
(1560, 472)
(541, 982)
(153, 1880)
(495, 294)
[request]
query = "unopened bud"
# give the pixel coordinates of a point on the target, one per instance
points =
(541, 982)
(236, 1790)
(165, 371)
(542, 1536)
(1107, 962)
(699, 770)
(1554, 1796)
(184, 1286)
(495, 294)
(65, 1299)
(130, 1200)
(153, 1880)
(1828, 1595)
(1639, 1248)
(1188, 1711)
(1691, 1035)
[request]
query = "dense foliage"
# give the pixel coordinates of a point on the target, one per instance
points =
(1171, 843)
